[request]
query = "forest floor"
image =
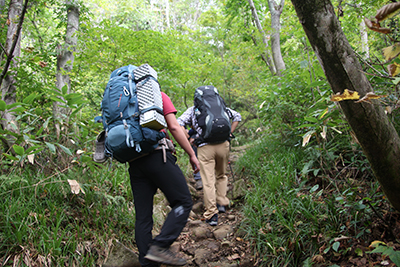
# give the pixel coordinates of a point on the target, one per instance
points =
(225, 245)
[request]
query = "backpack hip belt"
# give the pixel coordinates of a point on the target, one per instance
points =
(165, 145)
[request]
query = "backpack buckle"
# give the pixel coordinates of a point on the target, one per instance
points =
(126, 91)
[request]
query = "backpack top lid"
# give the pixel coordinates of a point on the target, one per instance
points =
(205, 89)
(123, 71)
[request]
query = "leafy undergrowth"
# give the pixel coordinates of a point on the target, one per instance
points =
(338, 217)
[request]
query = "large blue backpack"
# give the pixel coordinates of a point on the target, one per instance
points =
(125, 138)
(212, 115)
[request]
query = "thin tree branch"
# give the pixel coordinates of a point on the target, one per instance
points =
(10, 55)
(4, 50)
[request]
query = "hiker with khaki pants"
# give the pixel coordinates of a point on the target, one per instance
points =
(213, 160)
(211, 120)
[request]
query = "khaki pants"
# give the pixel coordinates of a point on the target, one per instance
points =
(213, 160)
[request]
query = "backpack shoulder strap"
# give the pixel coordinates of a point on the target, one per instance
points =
(131, 77)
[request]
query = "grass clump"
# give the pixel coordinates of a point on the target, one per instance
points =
(42, 221)
(294, 219)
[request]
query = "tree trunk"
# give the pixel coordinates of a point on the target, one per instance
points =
(264, 37)
(375, 133)
(167, 14)
(65, 60)
(12, 52)
(364, 40)
(2, 5)
(276, 10)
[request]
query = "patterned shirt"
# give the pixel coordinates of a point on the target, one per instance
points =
(188, 118)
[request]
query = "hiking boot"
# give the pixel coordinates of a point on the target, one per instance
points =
(99, 155)
(198, 185)
(213, 221)
(221, 209)
(163, 255)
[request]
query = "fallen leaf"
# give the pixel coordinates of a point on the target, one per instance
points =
(323, 133)
(318, 259)
(234, 257)
(31, 158)
(75, 187)
(306, 137)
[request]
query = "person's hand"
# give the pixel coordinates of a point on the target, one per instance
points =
(195, 164)
(191, 141)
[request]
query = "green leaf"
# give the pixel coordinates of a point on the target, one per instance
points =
(307, 125)
(57, 99)
(85, 159)
(336, 246)
(311, 119)
(314, 188)
(32, 148)
(378, 249)
(317, 83)
(3, 105)
(19, 109)
(19, 149)
(9, 156)
(394, 256)
(359, 252)
(64, 89)
(303, 64)
(51, 147)
(76, 110)
(396, 80)
(29, 99)
(16, 104)
(66, 150)
(38, 111)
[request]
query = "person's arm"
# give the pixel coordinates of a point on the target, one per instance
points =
(234, 125)
(185, 132)
(235, 117)
(179, 134)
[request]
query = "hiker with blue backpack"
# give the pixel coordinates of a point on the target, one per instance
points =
(135, 114)
(211, 119)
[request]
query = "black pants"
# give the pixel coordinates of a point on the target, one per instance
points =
(147, 174)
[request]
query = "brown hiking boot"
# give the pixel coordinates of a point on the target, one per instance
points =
(164, 255)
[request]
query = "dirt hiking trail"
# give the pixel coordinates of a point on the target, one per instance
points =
(222, 245)
(199, 243)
